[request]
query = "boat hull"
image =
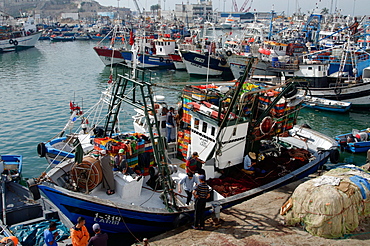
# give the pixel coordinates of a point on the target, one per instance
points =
(357, 94)
(201, 65)
(22, 43)
(119, 218)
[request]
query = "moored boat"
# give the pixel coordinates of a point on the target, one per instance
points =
(222, 124)
(326, 104)
(357, 141)
(17, 36)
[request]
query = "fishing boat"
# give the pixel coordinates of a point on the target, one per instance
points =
(357, 141)
(16, 36)
(222, 123)
(11, 165)
(145, 51)
(326, 104)
(22, 215)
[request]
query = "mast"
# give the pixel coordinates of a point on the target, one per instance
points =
(137, 92)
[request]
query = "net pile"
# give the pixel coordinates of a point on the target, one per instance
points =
(331, 205)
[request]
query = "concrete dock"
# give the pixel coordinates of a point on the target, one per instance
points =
(257, 222)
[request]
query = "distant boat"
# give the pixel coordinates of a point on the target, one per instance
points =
(357, 141)
(63, 38)
(326, 104)
(18, 36)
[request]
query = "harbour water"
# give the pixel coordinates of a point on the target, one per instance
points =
(38, 84)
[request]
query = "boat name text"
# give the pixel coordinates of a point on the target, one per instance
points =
(107, 218)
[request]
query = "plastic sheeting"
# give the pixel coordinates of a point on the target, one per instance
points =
(330, 210)
(33, 235)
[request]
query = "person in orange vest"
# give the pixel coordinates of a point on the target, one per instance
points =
(79, 234)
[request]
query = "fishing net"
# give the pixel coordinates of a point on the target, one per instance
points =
(331, 205)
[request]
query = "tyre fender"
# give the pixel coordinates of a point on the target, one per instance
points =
(32, 187)
(292, 91)
(41, 149)
(182, 219)
(334, 156)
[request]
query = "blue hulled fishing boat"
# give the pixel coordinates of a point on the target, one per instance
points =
(223, 124)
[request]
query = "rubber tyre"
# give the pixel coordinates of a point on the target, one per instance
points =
(41, 149)
(33, 189)
(334, 156)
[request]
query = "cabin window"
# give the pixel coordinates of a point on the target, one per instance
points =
(196, 123)
(309, 68)
(319, 68)
(204, 127)
(290, 72)
(234, 131)
(160, 49)
(213, 130)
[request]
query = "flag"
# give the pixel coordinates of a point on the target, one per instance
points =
(131, 38)
(110, 80)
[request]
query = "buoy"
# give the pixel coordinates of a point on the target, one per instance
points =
(266, 125)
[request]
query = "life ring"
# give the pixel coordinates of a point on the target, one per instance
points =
(15, 42)
(11, 41)
(291, 92)
(168, 61)
(87, 174)
(223, 61)
(266, 125)
(32, 187)
(334, 156)
(41, 149)
(161, 59)
(228, 53)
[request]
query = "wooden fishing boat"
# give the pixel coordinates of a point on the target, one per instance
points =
(221, 124)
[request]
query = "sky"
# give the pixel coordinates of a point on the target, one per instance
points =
(347, 7)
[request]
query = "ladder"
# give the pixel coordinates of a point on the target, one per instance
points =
(139, 94)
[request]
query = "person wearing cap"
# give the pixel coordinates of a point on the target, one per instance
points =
(194, 164)
(100, 239)
(121, 163)
(188, 183)
(108, 177)
(201, 194)
(79, 234)
(49, 236)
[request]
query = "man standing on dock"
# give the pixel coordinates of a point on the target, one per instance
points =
(79, 234)
(201, 194)
(100, 239)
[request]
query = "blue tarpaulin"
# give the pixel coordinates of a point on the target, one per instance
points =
(33, 235)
